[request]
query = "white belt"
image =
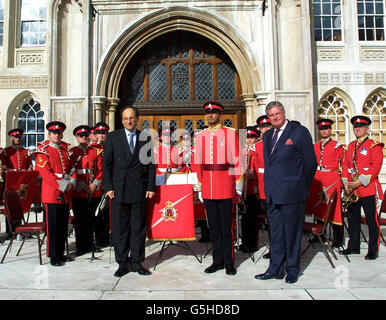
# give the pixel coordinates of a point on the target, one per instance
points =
(164, 169)
(83, 171)
(323, 169)
(12, 169)
(260, 170)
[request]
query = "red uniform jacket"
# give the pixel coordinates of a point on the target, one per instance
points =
(369, 158)
(53, 163)
(89, 170)
(165, 157)
(15, 159)
(329, 155)
(217, 163)
(249, 159)
(259, 167)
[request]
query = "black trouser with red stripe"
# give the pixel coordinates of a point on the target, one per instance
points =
(354, 223)
(57, 228)
(220, 220)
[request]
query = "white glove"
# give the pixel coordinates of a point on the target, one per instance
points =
(200, 196)
(239, 192)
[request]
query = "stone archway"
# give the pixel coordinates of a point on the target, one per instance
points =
(146, 28)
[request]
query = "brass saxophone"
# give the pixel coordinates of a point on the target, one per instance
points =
(351, 197)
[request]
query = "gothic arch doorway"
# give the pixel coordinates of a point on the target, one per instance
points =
(171, 77)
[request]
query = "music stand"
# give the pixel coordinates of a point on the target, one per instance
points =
(170, 243)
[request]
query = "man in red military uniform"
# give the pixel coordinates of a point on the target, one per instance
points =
(361, 166)
(165, 156)
(15, 157)
(329, 155)
(54, 165)
(250, 192)
(219, 173)
(86, 194)
(264, 124)
(102, 221)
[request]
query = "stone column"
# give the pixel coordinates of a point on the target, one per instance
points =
(112, 110)
(98, 103)
(249, 100)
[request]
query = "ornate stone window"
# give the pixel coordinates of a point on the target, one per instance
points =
(30, 119)
(375, 109)
(33, 19)
(371, 20)
(327, 20)
(1, 22)
(333, 107)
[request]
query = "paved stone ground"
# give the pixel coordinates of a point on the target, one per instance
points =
(179, 276)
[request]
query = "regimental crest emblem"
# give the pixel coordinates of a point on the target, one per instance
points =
(169, 213)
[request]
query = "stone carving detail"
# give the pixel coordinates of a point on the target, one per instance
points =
(30, 58)
(11, 82)
(372, 54)
(326, 54)
(353, 78)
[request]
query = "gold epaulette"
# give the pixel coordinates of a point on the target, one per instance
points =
(231, 128)
(99, 151)
(376, 143)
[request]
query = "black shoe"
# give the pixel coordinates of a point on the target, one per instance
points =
(371, 255)
(121, 272)
(66, 259)
(267, 255)
(346, 252)
(214, 268)
(56, 262)
(267, 276)
(141, 270)
(291, 278)
(230, 269)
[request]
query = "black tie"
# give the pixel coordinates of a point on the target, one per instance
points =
(274, 139)
(131, 142)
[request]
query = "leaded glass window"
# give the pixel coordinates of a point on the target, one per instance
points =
(226, 82)
(180, 83)
(334, 108)
(375, 109)
(157, 79)
(1, 22)
(189, 126)
(228, 123)
(371, 20)
(179, 66)
(30, 119)
(203, 81)
(33, 18)
(327, 20)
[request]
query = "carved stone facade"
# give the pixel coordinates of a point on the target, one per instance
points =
(76, 76)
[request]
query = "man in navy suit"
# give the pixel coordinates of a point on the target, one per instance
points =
(290, 165)
(129, 179)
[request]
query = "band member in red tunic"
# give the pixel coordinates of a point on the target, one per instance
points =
(361, 167)
(86, 194)
(220, 175)
(250, 192)
(54, 165)
(165, 155)
(102, 221)
(15, 157)
(329, 155)
(264, 124)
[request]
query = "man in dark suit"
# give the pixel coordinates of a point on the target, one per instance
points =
(290, 165)
(129, 179)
